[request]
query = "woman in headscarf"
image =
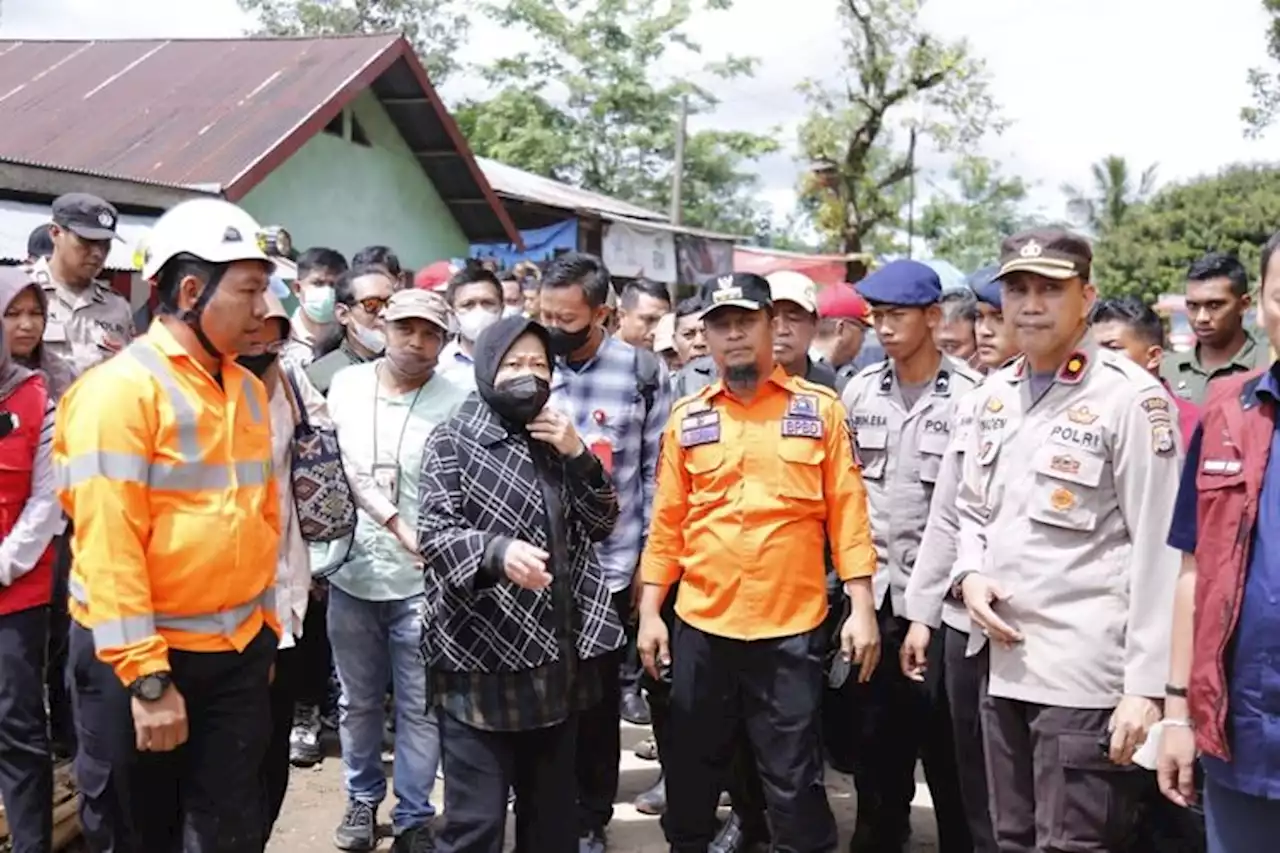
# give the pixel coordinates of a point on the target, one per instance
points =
(511, 503)
(29, 519)
(25, 307)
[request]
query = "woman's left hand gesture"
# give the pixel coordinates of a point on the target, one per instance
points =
(556, 429)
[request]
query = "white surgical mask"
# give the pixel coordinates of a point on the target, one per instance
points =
(473, 321)
(512, 311)
(374, 340)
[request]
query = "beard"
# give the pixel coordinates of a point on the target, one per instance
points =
(742, 374)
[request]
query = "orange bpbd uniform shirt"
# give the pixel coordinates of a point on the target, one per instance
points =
(747, 495)
(166, 476)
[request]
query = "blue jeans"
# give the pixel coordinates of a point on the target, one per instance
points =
(375, 642)
(1237, 822)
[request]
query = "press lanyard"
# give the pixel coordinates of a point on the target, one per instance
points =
(377, 388)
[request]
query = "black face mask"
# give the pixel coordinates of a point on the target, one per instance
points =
(564, 342)
(258, 364)
(520, 399)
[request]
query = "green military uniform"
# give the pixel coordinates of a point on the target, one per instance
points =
(1189, 379)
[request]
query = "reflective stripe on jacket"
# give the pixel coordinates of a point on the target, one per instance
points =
(166, 476)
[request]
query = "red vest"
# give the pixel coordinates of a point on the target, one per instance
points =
(17, 459)
(1236, 434)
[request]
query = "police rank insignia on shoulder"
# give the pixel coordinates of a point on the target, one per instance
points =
(699, 429)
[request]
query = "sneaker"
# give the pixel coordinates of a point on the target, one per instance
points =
(359, 828)
(304, 739)
(416, 840)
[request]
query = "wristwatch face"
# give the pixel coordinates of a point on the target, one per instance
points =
(151, 688)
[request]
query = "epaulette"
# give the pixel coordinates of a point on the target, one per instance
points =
(1129, 368)
(873, 369)
(697, 397)
(807, 387)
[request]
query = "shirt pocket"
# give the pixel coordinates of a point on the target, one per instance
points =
(705, 466)
(932, 446)
(873, 451)
(800, 468)
(1066, 493)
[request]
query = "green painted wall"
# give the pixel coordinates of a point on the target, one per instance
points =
(336, 193)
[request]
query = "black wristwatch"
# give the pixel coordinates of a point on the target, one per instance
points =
(150, 688)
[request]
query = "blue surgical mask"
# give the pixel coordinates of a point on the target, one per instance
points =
(317, 303)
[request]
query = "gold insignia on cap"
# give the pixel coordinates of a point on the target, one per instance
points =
(105, 220)
(1031, 249)
(1062, 499)
(1082, 415)
(725, 294)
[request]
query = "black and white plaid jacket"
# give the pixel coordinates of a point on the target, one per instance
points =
(479, 482)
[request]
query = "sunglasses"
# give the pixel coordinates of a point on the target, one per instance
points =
(373, 305)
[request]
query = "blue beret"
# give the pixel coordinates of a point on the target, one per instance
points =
(908, 283)
(986, 287)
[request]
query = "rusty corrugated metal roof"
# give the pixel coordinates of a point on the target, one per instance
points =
(224, 112)
(177, 112)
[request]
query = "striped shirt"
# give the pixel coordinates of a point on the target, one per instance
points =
(603, 397)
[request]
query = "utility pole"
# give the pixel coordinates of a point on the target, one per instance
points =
(677, 174)
(911, 193)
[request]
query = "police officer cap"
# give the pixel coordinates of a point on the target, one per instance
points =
(86, 216)
(986, 287)
(906, 283)
(738, 290)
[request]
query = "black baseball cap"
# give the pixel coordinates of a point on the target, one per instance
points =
(86, 216)
(736, 290)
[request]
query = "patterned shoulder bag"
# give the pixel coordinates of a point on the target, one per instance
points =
(321, 494)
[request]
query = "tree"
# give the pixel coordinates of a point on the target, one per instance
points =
(1149, 252)
(435, 28)
(1264, 83)
(591, 105)
(901, 83)
(965, 226)
(1113, 195)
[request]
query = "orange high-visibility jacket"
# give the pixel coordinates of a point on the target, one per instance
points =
(166, 477)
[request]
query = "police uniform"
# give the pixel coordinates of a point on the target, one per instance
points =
(1064, 501)
(747, 492)
(900, 446)
(87, 327)
(928, 602)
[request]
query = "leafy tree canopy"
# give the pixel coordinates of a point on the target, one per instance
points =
(435, 28)
(1148, 254)
(965, 225)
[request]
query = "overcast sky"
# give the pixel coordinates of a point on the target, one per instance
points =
(1157, 81)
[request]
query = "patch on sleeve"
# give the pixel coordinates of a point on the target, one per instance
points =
(851, 434)
(1154, 404)
(1162, 442)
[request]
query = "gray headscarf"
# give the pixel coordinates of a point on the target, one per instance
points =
(57, 375)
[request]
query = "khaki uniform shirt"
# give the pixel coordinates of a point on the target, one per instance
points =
(928, 599)
(901, 453)
(79, 324)
(298, 348)
(1065, 502)
(1190, 380)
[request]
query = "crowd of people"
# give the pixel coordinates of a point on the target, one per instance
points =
(474, 521)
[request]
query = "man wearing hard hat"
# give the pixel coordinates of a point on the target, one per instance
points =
(163, 456)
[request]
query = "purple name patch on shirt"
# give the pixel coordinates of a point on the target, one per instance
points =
(802, 427)
(700, 435)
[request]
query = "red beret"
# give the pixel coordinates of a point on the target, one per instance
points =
(842, 302)
(434, 276)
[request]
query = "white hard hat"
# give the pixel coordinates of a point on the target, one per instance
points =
(210, 229)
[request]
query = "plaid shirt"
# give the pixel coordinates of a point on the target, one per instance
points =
(603, 397)
(518, 701)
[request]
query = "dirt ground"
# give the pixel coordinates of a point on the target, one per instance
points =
(315, 802)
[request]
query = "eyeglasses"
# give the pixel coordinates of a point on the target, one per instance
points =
(373, 305)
